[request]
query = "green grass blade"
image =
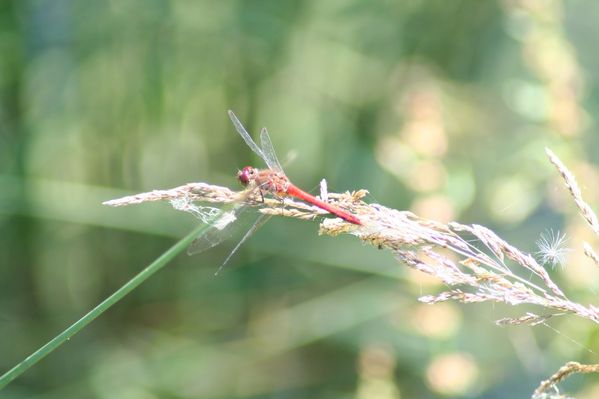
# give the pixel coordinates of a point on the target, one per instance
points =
(158, 264)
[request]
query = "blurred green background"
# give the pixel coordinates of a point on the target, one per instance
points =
(441, 107)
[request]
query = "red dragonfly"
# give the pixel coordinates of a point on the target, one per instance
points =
(272, 180)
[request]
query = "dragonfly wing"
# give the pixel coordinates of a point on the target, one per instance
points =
(270, 157)
(209, 239)
(217, 233)
(263, 218)
(246, 136)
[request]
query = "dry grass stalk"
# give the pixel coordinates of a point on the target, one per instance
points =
(482, 266)
(475, 263)
(201, 192)
(590, 253)
(529, 319)
(565, 371)
(585, 210)
(591, 218)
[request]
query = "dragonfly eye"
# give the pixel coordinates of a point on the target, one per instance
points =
(244, 175)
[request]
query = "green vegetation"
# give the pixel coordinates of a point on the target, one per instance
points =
(440, 107)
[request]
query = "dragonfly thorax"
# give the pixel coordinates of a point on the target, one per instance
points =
(263, 179)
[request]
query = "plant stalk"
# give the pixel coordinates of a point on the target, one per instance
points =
(119, 294)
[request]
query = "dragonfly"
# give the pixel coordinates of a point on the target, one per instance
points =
(264, 181)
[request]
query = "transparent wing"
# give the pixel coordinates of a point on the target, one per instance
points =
(257, 224)
(220, 230)
(246, 136)
(209, 239)
(269, 152)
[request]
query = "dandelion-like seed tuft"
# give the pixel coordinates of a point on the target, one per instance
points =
(552, 248)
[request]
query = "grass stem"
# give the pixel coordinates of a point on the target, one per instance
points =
(119, 294)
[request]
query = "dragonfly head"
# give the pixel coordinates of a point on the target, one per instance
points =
(246, 175)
